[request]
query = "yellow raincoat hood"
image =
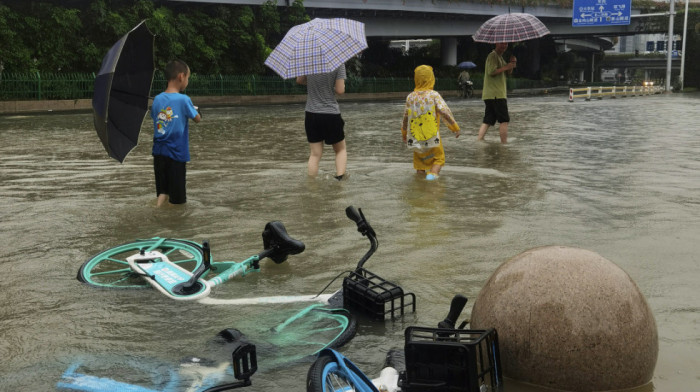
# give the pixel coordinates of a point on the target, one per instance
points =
(424, 78)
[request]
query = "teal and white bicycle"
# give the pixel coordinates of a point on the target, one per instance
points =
(178, 267)
(181, 270)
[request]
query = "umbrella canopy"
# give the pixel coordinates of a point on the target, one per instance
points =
(318, 46)
(513, 27)
(466, 65)
(122, 89)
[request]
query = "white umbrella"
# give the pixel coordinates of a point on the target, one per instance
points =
(318, 46)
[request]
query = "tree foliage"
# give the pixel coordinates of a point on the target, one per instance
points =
(74, 35)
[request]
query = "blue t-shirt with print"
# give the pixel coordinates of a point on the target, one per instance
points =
(171, 112)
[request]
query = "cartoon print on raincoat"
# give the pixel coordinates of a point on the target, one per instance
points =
(424, 129)
(165, 116)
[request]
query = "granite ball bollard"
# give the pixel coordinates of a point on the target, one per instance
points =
(569, 319)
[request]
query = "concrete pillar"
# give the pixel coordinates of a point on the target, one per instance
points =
(448, 49)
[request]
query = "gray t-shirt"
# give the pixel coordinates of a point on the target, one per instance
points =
(321, 91)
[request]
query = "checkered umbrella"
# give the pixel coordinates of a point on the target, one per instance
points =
(318, 46)
(513, 27)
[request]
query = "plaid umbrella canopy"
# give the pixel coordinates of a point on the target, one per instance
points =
(513, 27)
(318, 46)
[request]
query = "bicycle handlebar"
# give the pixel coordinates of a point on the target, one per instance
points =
(358, 217)
(363, 227)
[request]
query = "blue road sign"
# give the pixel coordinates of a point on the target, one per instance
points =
(601, 12)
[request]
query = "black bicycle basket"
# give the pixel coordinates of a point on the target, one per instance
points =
(368, 293)
(452, 360)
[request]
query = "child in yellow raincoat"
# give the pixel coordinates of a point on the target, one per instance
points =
(420, 129)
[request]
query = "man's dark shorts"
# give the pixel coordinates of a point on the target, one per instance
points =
(324, 127)
(496, 110)
(170, 178)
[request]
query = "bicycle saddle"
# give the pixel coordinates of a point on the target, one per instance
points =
(278, 244)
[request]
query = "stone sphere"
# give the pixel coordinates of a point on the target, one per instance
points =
(569, 319)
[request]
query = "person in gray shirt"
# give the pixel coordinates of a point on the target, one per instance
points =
(323, 122)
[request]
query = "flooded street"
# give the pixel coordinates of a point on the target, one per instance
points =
(620, 177)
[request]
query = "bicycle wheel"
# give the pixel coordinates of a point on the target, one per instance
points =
(325, 375)
(110, 268)
(348, 332)
(314, 329)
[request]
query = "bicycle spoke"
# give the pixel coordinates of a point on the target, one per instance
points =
(126, 277)
(116, 260)
(339, 384)
(184, 261)
(126, 271)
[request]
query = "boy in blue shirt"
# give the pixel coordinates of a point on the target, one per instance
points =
(171, 111)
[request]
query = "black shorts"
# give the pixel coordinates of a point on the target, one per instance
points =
(170, 178)
(496, 109)
(324, 127)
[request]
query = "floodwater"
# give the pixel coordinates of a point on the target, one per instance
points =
(618, 177)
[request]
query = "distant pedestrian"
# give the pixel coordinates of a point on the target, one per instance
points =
(420, 128)
(494, 92)
(323, 122)
(464, 82)
(171, 111)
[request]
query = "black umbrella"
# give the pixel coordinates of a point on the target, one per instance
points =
(122, 89)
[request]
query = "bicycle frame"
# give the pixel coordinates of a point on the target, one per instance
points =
(181, 284)
(167, 277)
(358, 379)
(159, 262)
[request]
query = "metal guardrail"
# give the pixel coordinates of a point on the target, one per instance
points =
(600, 92)
(62, 86)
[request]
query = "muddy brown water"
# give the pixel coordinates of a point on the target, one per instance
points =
(618, 177)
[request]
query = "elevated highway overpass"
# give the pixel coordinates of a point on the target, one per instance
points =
(449, 20)
(402, 19)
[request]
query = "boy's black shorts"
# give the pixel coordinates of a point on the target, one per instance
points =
(496, 109)
(324, 127)
(170, 178)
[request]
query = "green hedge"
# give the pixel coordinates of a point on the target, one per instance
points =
(35, 86)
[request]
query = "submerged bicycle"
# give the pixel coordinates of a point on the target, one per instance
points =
(192, 375)
(443, 359)
(178, 268)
